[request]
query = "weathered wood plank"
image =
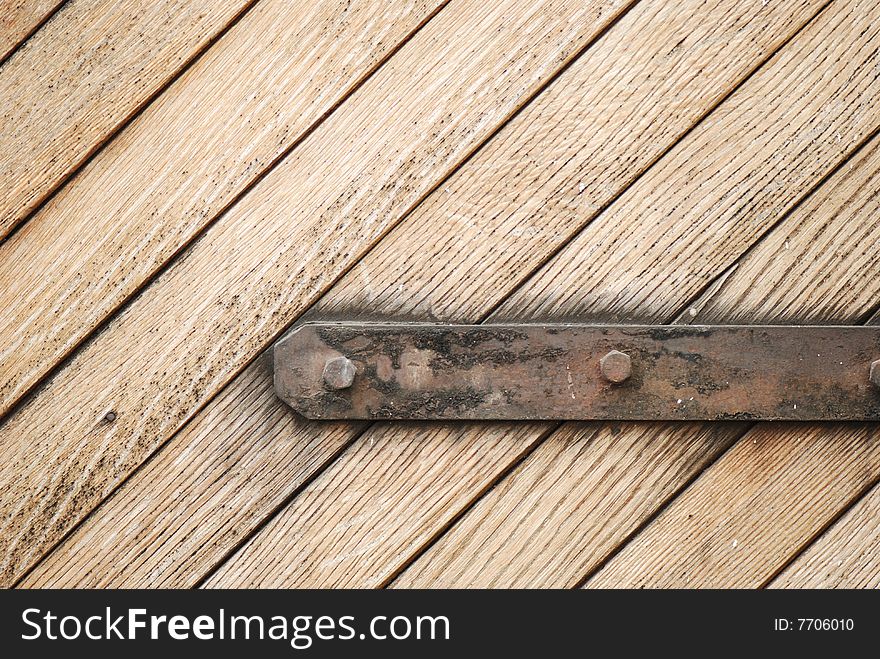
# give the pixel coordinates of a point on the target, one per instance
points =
(817, 267)
(691, 193)
(845, 556)
(20, 18)
(568, 504)
(257, 91)
(82, 76)
(754, 509)
(491, 205)
(271, 255)
(750, 512)
(210, 477)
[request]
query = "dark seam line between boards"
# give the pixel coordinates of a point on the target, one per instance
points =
(527, 101)
(599, 211)
(34, 29)
(871, 318)
(811, 540)
(504, 473)
(95, 149)
(690, 301)
(345, 271)
(864, 319)
(65, 359)
(68, 357)
(641, 526)
(494, 308)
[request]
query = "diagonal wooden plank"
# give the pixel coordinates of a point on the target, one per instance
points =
(789, 480)
(568, 503)
(209, 137)
(272, 254)
(816, 268)
(754, 509)
(82, 76)
(21, 18)
(586, 123)
(845, 556)
(763, 113)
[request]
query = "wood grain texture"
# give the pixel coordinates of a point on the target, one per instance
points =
(734, 176)
(194, 504)
(588, 487)
(212, 133)
(820, 265)
(271, 255)
(582, 124)
(754, 114)
(752, 510)
(779, 486)
(324, 531)
(20, 18)
(83, 75)
(820, 253)
(845, 556)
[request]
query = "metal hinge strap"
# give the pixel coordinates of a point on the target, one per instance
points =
(570, 371)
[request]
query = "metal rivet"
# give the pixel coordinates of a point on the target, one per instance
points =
(339, 373)
(874, 377)
(616, 366)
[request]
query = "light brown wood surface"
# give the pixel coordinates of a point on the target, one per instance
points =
(19, 19)
(760, 504)
(213, 133)
(428, 273)
(692, 205)
(584, 490)
(781, 485)
(83, 75)
(271, 255)
(845, 556)
(677, 169)
(818, 263)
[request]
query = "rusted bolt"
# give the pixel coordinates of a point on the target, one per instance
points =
(874, 376)
(616, 366)
(339, 373)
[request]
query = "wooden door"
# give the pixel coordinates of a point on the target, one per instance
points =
(174, 203)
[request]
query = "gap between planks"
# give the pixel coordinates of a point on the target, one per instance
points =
(437, 193)
(807, 531)
(21, 23)
(805, 188)
(498, 506)
(512, 91)
(837, 535)
(63, 120)
(38, 345)
(843, 556)
(247, 187)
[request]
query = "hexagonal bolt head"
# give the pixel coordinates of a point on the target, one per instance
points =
(339, 373)
(874, 377)
(616, 366)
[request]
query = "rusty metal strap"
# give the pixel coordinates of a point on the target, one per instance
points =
(423, 371)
